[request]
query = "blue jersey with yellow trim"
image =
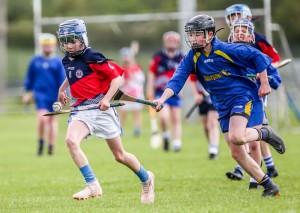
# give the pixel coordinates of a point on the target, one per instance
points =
(222, 72)
(274, 77)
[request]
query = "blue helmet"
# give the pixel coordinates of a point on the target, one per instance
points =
(70, 30)
(246, 23)
(241, 9)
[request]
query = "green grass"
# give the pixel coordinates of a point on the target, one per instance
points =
(185, 181)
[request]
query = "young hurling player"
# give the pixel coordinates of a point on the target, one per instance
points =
(161, 69)
(243, 32)
(93, 80)
(44, 75)
(133, 84)
(220, 67)
(259, 42)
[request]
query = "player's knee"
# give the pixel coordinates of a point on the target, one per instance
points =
(237, 139)
(119, 157)
(71, 143)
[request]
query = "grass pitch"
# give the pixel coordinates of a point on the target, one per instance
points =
(185, 181)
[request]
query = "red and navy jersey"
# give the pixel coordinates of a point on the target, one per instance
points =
(164, 67)
(89, 76)
(265, 47)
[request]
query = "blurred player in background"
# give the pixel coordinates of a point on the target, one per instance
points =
(208, 116)
(133, 84)
(93, 80)
(161, 69)
(259, 42)
(44, 76)
(220, 68)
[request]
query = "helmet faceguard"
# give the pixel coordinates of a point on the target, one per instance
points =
(201, 24)
(69, 31)
(241, 29)
(237, 11)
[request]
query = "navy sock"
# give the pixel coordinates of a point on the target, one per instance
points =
(264, 181)
(41, 146)
(87, 173)
(41, 142)
(50, 149)
(142, 174)
(264, 134)
(239, 169)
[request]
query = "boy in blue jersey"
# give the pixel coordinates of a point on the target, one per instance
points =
(221, 68)
(259, 41)
(44, 76)
(243, 32)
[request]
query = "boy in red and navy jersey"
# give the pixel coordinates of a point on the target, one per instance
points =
(93, 80)
(161, 70)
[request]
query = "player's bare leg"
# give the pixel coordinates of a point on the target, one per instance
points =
(129, 160)
(176, 127)
(164, 116)
(123, 116)
(41, 126)
(52, 133)
(73, 139)
(137, 121)
(238, 135)
(255, 153)
(213, 133)
(267, 157)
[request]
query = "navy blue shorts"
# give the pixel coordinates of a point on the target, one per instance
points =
(254, 112)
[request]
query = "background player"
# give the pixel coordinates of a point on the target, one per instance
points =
(208, 116)
(259, 42)
(94, 80)
(133, 84)
(161, 69)
(44, 75)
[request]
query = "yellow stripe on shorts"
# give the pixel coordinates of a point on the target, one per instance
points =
(248, 108)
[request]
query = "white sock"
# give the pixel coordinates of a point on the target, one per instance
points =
(166, 135)
(213, 149)
(252, 180)
(177, 143)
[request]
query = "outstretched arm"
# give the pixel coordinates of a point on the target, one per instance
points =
(166, 95)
